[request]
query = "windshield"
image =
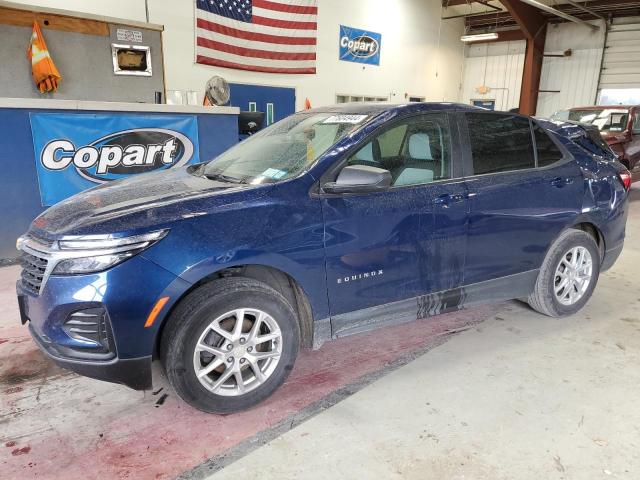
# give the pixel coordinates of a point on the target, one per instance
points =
(606, 119)
(283, 150)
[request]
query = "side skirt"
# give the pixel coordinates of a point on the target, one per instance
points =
(403, 311)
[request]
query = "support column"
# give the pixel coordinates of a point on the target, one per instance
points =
(534, 26)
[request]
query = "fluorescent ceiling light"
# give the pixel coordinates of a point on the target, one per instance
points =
(480, 37)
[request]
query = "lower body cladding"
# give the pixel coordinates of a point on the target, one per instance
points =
(520, 285)
(95, 324)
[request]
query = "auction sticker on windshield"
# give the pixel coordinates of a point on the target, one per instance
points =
(274, 173)
(345, 118)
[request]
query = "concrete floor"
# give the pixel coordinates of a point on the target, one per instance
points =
(515, 395)
(521, 396)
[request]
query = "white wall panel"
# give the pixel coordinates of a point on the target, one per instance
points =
(576, 76)
(420, 54)
(498, 66)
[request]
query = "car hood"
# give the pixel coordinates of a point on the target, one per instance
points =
(131, 203)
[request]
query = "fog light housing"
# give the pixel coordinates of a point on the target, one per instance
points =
(91, 326)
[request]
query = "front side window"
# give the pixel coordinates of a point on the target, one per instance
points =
(416, 151)
(636, 123)
(548, 152)
(284, 149)
(500, 143)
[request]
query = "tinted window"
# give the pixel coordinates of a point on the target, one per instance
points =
(636, 123)
(415, 151)
(548, 152)
(500, 143)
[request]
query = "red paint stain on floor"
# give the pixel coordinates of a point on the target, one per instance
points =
(21, 451)
(82, 428)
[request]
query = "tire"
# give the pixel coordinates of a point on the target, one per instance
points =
(544, 298)
(190, 324)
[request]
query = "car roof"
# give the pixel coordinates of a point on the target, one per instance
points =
(376, 108)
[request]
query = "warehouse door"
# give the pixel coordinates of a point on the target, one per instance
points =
(620, 75)
(276, 102)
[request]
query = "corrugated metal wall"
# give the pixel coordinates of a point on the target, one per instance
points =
(498, 66)
(621, 65)
(574, 77)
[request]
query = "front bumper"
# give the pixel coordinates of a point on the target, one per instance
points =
(132, 372)
(127, 292)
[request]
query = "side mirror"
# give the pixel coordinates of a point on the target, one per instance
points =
(359, 179)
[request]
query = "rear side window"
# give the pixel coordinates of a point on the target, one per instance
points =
(548, 151)
(500, 143)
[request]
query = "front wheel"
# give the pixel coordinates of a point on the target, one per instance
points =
(568, 275)
(230, 344)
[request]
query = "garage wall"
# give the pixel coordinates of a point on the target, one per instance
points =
(576, 77)
(621, 66)
(413, 61)
(498, 66)
(85, 63)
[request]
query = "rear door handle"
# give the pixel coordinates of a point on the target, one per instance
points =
(561, 182)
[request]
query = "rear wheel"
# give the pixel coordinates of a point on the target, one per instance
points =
(568, 275)
(230, 344)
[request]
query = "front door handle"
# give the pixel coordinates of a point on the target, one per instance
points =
(447, 199)
(560, 182)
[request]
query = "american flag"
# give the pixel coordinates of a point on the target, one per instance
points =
(274, 36)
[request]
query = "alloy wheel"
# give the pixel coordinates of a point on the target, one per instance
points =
(573, 275)
(237, 352)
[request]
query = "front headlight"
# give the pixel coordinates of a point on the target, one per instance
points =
(95, 253)
(73, 266)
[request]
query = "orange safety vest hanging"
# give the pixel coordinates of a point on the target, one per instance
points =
(44, 72)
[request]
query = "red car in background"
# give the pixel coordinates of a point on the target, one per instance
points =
(619, 126)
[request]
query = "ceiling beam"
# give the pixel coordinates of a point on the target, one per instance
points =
(559, 13)
(530, 19)
(600, 7)
(508, 36)
(455, 3)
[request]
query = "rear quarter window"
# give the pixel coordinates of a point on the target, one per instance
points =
(500, 143)
(548, 152)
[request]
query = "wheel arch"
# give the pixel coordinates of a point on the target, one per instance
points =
(593, 230)
(277, 279)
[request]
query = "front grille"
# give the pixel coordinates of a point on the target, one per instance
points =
(33, 269)
(91, 325)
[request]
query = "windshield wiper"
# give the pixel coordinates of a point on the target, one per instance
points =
(224, 178)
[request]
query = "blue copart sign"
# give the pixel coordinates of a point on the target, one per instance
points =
(74, 152)
(360, 46)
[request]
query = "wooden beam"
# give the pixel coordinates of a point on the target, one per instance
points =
(530, 19)
(24, 18)
(533, 58)
(534, 26)
(508, 36)
(455, 3)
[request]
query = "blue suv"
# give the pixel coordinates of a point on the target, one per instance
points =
(331, 222)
